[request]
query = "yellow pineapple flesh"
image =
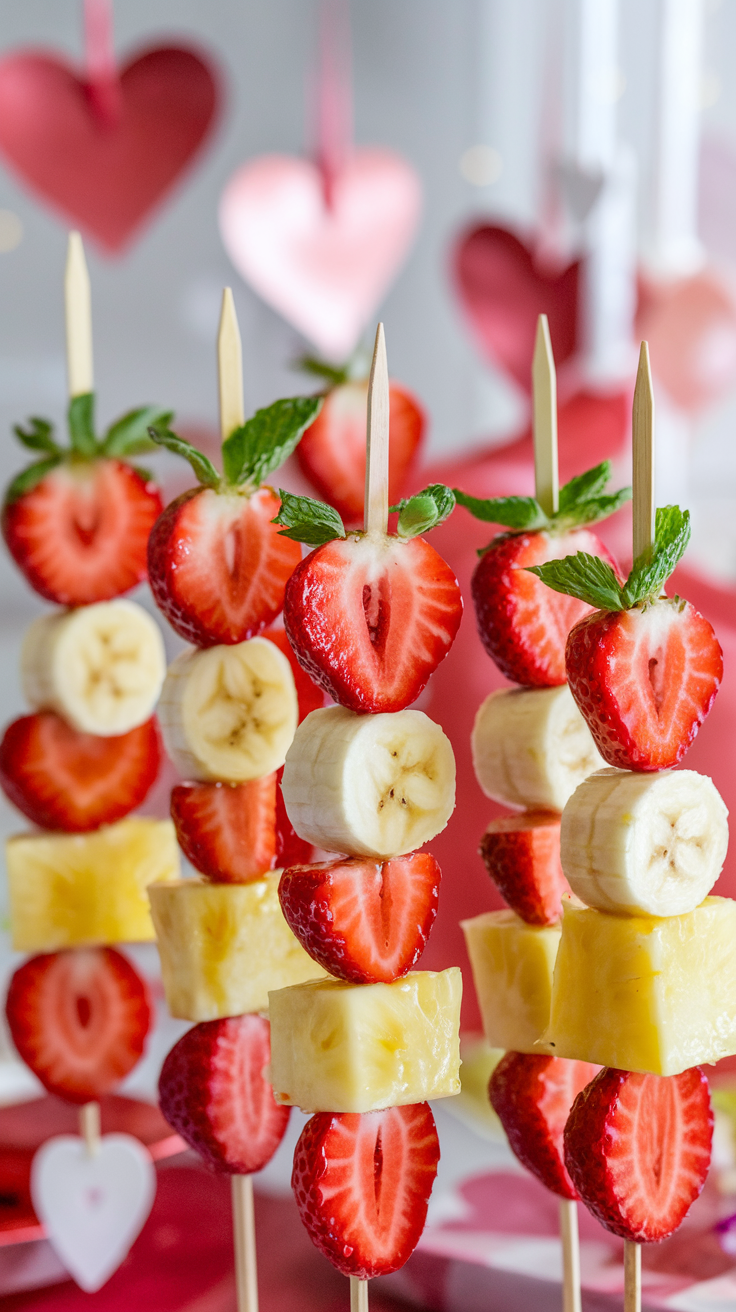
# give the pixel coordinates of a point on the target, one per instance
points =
(512, 965)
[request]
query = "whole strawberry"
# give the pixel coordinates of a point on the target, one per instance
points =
(216, 564)
(77, 521)
(522, 627)
(644, 668)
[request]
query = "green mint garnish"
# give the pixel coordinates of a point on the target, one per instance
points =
(425, 510)
(305, 520)
(581, 501)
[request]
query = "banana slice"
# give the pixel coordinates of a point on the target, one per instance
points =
(100, 667)
(531, 747)
(644, 844)
(229, 712)
(369, 785)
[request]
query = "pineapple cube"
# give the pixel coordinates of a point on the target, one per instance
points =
(341, 1047)
(72, 890)
(644, 993)
(223, 946)
(512, 965)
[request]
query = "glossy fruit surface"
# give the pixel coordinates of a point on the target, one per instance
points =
(227, 831)
(522, 855)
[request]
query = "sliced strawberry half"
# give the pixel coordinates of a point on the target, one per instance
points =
(363, 921)
(291, 850)
(332, 450)
(522, 856)
(227, 831)
(523, 624)
(214, 1093)
(370, 619)
(532, 1096)
(62, 779)
(362, 1185)
(79, 1020)
(645, 679)
(80, 535)
(637, 1148)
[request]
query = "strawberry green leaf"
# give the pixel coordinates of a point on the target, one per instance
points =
(81, 419)
(585, 486)
(38, 436)
(425, 510)
(305, 520)
(586, 577)
(522, 513)
(591, 511)
(128, 436)
(253, 451)
(650, 572)
(30, 478)
(203, 468)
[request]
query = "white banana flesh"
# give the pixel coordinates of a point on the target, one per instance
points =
(369, 785)
(531, 747)
(644, 844)
(100, 667)
(229, 712)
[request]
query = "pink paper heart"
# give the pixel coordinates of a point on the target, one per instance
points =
(105, 172)
(503, 290)
(324, 269)
(690, 325)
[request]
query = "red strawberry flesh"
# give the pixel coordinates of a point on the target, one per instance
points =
(522, 623)
(81, 534)
(227, 831)
(214, 1093)
(79, 1020)
(370, 619)
(363, 921)
(522, 855)
(532, 1096)
(62, 779)
(362, 1185)
(332, 450)
(645, 680)
(638, 1147)
(217, 565)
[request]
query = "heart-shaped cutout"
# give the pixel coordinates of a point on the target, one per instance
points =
(93, 1206)
(503, 290)
(105, 176)
(325, 269)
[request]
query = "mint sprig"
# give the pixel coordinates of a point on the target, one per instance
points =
(582, 501)
(592, 580)
(424, 511)
(306, 520)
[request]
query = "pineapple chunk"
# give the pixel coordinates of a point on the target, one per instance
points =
(73, 890)
(223, 946)
(340, 1047)
(644, 993)
(512, 965)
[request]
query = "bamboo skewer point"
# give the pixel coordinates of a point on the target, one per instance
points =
(376, 469)
(230, 367)
(544, 420)
(78, 309)
(643, 457)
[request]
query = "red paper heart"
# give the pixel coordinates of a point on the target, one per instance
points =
(503, 290)
(102, 174)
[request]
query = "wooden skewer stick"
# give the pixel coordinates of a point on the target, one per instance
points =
(78, 307)
(89, 1126)
(246, 1271)
(570, 1255)
(632, 1276)
(375, 518)
(230, 367)
(358, 1295)
(544, 420)
(643, 457)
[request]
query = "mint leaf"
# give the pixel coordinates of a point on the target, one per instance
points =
(586, 577)
(584, 487)
(425, 510)
(252, 452)
(521, 513)
(592, 511)
(81, 419)
(30, 478)
(39, 436)
(650, 573)
(128, 436)
(203, 468)
(335, 375)
(305, 520)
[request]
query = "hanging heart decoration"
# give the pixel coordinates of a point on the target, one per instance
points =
(503, 289)
(690, 325)
(92, 1206)
(103, 146)
(321, 242)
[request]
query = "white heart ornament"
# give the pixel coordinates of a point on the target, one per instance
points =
(92, 1207)
(325, 269)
